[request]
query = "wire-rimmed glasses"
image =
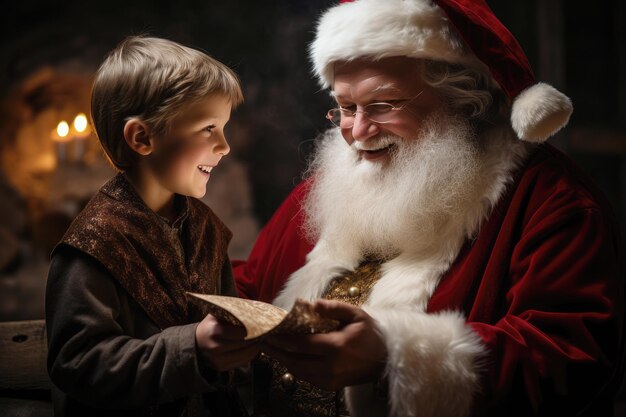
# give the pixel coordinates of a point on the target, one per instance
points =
(379, 112)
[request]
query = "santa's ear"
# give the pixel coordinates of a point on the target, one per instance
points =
(138, 137)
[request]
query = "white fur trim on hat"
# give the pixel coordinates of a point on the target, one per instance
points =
(416, 29)
(539, 112)
(377, 29)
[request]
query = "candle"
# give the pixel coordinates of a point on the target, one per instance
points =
(81, 131)
(60, 139)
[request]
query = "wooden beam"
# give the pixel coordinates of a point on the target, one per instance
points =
(618, 27)
(23, 352)
(597, 141)
(551, 47)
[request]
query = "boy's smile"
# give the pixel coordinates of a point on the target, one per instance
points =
(205, 169)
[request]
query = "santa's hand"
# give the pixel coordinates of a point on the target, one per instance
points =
(222, 346)
(354, 354)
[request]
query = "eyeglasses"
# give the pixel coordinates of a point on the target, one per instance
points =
(379, 113)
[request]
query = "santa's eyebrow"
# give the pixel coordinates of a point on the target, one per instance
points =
(386, 88)
(381, 89)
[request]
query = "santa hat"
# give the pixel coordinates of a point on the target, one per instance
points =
(462, 32)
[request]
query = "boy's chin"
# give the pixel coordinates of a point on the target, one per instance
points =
(199, 194)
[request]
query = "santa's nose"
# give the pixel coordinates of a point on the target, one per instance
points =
(363, 128)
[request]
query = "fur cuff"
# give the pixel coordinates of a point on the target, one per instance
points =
(433, 363)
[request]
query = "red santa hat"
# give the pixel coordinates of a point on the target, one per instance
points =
(462, 32)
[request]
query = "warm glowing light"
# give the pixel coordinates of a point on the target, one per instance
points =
(63, 129)
(80, 122)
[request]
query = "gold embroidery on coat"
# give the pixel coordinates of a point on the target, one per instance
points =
(293, 397)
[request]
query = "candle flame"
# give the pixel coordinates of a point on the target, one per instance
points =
(80, 122)
(63, 129)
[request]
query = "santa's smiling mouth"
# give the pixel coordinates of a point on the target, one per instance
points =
(374, 154)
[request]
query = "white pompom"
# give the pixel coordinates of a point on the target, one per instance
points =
(539, 112)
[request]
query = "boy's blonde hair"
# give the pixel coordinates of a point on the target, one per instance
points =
(154, 80)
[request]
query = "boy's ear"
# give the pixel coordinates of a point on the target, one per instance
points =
(138, 137)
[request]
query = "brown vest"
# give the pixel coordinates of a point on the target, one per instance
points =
(129, 240)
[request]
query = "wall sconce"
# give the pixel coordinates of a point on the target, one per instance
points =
(69, 141)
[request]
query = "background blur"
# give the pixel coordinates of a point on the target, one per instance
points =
(50, 50)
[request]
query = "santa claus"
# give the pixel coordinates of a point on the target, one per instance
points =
(473, 268)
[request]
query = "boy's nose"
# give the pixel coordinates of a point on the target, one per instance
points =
(221, 146)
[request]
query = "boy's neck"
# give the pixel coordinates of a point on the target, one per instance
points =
(159, 202)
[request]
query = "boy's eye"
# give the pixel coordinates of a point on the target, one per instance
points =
(209, 129)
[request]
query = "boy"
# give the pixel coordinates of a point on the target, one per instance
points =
(124, 339)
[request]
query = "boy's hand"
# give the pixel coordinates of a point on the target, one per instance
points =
(353, 354)
(222, 345)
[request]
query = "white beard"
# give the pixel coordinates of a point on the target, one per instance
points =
(418, 208)
(406, 205)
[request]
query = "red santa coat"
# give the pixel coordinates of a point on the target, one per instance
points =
(541, 285)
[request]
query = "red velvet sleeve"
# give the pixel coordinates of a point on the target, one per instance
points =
(279, 250)
(558, 343)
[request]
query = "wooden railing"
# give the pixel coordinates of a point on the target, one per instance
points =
(23, 351)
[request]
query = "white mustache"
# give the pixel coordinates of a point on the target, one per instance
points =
(375, 143)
